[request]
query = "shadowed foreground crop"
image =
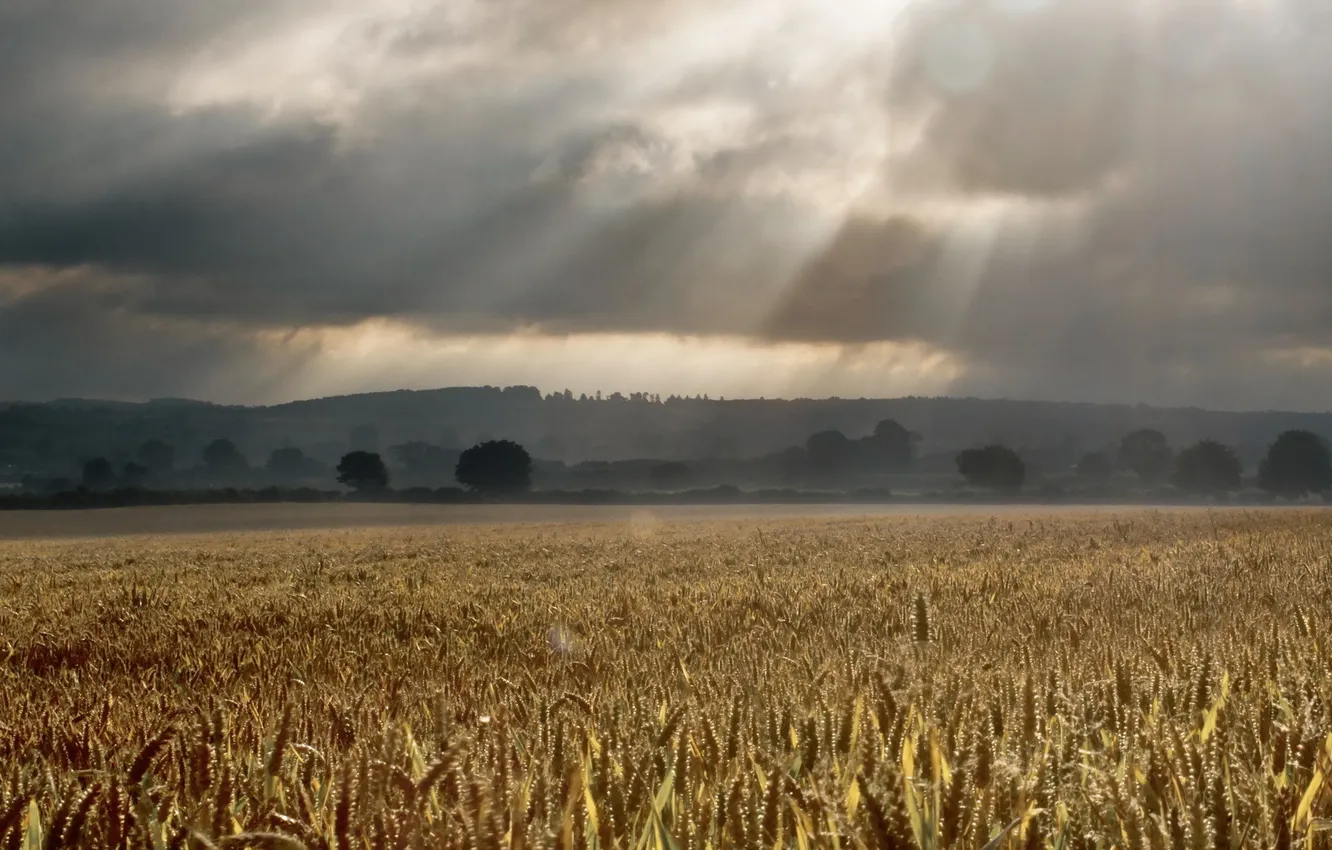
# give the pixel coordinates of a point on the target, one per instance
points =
(1147, 680)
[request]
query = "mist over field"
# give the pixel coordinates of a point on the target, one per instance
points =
(635, 443)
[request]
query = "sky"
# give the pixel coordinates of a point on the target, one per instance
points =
(251, 201)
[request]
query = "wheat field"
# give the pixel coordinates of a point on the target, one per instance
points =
(1151, 679)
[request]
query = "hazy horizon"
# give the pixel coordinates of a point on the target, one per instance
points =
(1076, 200)
(591, 396)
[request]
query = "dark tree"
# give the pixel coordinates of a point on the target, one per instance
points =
(1095, 466)
(290, 463)
(363, 471)
(157, 457)
(1297, 463)
(222, 458)
(996, 467)
(829, 452)
(891, 447)
(134, 474)
(98, 474)
(497, 467)
(1147, 453)
(671, 475)
(1208, 467)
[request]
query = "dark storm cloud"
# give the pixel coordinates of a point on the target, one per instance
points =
(1079, 198)
(1114, 202)
(76, 333)
(265, 235)
(458, 212)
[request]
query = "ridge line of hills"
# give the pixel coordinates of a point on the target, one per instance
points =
(184, 402)
(53, 438)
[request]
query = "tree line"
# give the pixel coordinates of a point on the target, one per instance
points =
(494, 467)
(1296, 464)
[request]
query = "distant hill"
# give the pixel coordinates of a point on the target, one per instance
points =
(559, 427)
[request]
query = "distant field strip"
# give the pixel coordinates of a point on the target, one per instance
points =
(209, 519)
(1146, 679)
